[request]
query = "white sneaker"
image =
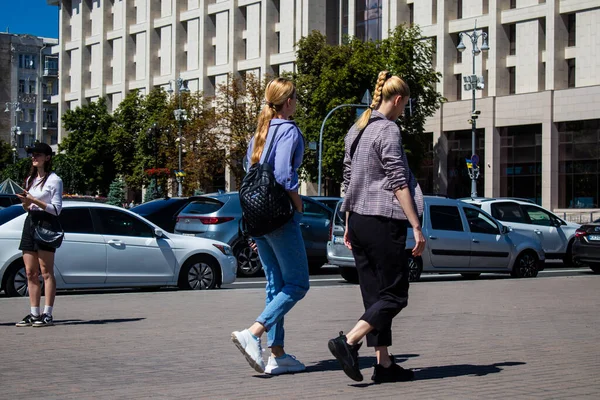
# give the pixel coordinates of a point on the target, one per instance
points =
(250, 348)
(284, 365)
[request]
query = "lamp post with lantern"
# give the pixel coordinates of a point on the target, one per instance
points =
(473, 82)
(180, 116)
(15, 131)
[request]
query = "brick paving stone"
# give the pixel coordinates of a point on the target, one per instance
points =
(482, 339)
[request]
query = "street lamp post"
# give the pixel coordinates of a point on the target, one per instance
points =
(473, 83)
(180, 116)
(153, 130)
(15, 130)
(364, 103)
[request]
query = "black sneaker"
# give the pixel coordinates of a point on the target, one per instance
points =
(45, 320)
(28, 320)
(394, 373)
(347, 355)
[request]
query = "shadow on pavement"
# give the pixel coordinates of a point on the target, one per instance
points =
(452, 371)
(364, 362)
(97, 321)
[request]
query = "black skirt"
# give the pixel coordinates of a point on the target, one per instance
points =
(28, 243)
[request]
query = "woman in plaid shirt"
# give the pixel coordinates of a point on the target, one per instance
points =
(382, 199)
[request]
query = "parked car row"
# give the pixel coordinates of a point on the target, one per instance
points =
(106, 246)
(218, 216)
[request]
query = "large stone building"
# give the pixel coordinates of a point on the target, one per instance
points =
(28, 79)
(538, 132)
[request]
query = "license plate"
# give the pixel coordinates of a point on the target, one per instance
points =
(338, 240)
(594, 237)
(188, 234)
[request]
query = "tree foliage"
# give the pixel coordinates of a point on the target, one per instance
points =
(328, 76)
(116, 193)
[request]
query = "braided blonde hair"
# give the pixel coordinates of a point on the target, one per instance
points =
(277, 92)
(387, 86)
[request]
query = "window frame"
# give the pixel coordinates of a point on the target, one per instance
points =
(512, 203)
(452, 206)
(491, 219)
(72, 209)
(97, 211)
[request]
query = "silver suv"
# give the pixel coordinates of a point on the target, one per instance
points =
(529, 219)
(460, 238)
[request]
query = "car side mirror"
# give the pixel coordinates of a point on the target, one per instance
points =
(506, 229)
(158, 233)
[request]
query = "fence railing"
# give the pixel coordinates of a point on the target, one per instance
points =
(579, 216)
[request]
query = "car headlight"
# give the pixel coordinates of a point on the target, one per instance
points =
(224, 248)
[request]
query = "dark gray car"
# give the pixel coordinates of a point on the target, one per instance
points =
(218, 216)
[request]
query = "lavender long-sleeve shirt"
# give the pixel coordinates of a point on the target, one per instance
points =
(286, 155)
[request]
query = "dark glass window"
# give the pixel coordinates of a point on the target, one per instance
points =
(445, 218)
(424, 171)
(118, 223)
(203, 206)
(76, 220)
(508, 212)
(538, 216)
(521, 162)
(314, 210)
(459, 9)
(480, 223)
(513, 4)
(571, 29)
(571, 72)
(512, 80)
(368, 20)
(459, 149)
(10, 212)
(579, 164)
(512, 39)
(459, 88)
(411, 13)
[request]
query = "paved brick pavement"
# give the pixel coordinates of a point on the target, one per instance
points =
(483, 339)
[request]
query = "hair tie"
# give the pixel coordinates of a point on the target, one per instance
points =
(388, 75)
(271, 105)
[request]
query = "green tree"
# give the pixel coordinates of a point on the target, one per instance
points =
(239, 102)
(153, 191)
(6, 155)
(116, 193)
(18, 172)
(328, 76)
(87, 143)
(70, 172)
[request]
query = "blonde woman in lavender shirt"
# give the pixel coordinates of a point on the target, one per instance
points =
(42, 199)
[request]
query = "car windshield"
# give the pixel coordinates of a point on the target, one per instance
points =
(10, 213)
(154, 205)
(202, 206)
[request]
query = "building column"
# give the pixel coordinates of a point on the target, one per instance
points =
(490, 166)
(550, 146)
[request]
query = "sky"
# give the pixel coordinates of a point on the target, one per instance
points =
(34, 17)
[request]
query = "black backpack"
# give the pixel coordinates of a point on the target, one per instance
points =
(265, 203)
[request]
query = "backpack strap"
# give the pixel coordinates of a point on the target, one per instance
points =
(355, 143)
(273, 139)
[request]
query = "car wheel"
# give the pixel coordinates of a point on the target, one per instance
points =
(248, 261)
(525, 265)
(595, 268)
(415, 267)
(199, 273)
(349, 274)
(471, 275)
(16, 282)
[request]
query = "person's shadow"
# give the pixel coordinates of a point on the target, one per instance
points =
(436, 372)
(89, 322)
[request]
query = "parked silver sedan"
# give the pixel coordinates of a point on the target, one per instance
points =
(461, 238)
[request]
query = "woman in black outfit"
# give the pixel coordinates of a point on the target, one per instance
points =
(382, 199)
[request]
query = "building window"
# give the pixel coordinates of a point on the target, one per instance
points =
(513, 4)
(31, 115)
(434, 7)
(511, 80)
(458, 52)
(579, 164)
(571, 72)
(521, 162)
(512, 39)
(459, 9)
(411, 13)
(368, 20)
(21, 85)
(459, 149)
(458, 79)
(31, 87)
(571, 29)
(424, 171)
(344, 18)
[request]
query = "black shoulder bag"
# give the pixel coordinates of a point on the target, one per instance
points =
(355, 143)
(49, 237)
(265, 203)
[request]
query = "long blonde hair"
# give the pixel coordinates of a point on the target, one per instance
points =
(387, 86)
(277, 92)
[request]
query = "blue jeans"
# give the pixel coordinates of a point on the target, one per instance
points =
(284, 261)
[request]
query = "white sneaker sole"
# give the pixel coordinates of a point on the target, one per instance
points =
(257, 367)
(283, 370)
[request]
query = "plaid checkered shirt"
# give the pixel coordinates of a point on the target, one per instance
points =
(379, 168)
